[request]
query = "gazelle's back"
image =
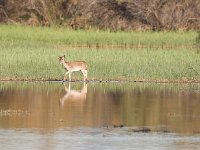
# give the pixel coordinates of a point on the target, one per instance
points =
(77, 65)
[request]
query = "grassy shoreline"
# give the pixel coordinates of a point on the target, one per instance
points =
(76, 80)
(31, 53)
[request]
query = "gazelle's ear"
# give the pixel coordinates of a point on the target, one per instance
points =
(64, 56)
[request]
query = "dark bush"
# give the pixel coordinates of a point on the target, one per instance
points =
(105, 14)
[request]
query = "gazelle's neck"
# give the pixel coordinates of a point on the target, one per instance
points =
(65, 64)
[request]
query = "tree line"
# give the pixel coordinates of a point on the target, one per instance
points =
(114, 15)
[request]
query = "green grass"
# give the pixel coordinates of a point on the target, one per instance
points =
(32, 53)
(57, 36)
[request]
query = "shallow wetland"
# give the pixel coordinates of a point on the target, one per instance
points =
(55, 115)
(143, 90)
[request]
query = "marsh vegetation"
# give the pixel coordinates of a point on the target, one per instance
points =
(31, 53)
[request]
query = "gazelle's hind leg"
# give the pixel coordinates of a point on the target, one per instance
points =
(70, 78)
(84, 74)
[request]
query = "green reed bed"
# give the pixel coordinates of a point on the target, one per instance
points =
(60, 36)
(103, 64)
(32, 53)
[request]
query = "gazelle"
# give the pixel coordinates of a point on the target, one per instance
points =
(73, 66)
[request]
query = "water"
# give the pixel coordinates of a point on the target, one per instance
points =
(36, 115)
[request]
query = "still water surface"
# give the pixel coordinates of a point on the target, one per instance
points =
(99, 116)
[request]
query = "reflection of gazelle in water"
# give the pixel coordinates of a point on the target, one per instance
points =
(74, 95)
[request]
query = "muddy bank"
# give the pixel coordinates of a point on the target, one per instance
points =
(103, 81)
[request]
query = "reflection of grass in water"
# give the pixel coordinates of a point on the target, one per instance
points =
(136, 104)
(128, 87)
(32, 53)
(99, 87)
(40, 86)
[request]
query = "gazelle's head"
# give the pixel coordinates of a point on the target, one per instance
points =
(61, 59)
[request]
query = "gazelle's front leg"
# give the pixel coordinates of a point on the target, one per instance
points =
(84, 72)
(68, 72)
